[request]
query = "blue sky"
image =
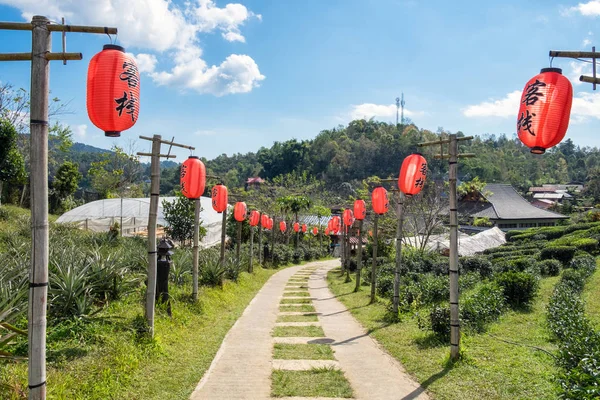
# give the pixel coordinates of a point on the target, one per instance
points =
(231, 77)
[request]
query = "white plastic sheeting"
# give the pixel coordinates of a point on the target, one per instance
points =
(467, 245)
(99, 215)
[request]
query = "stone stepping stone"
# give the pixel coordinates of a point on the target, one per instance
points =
(298, 297)
(303, 340)
(304, 365)
(310, 323)
(295, 305)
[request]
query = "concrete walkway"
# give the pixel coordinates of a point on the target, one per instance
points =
(242, 368)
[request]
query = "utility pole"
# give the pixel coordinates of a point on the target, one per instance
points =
(579, 55)
(155, 157)
(40, 57)
(402, 103)
(452, 157)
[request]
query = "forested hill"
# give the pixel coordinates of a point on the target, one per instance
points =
(371, 148)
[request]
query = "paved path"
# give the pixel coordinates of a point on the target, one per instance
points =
(243, 365)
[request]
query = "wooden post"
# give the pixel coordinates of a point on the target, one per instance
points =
(374, 265)
(154, 196)
(38, 275)
(454, 315)
(239, 243)
(223, 231)
(273, 241)
(260, 246)
(251, 267)
(343, 247)
(359, 260)
(196, 250)
(348, 246)
(396, 299)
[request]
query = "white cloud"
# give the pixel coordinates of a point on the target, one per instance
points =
(145, 62)
(80, 131)
(506, 107)
(585, 106)
(578, 68)
(171, 32)
(369, 110)
(589, 9)
(205, 132)
(586, 42)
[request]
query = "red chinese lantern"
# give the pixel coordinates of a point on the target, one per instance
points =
(303, 228)
(193, 178)
(270, 223)
(239, 211)
(315, 231)
(348, 217)
(360, 209)
(327, 231)
(296, 227)
(113, 90)
(282, 226)
(219, 198)
(545, 110)
(380, 200)
(412, 174)
(254, 218)
(264, 221)
(335, 223)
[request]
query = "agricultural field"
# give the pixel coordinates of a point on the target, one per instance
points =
(529, 316)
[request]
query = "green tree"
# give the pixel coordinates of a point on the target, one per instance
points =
(117, 171)
(179, 214)
(65, 184)
(12, 167)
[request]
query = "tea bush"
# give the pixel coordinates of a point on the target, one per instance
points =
(518, 288)
(564, 254)
(484, 305)
(549, 267)
(478, 264)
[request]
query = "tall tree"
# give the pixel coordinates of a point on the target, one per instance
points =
(12, 167)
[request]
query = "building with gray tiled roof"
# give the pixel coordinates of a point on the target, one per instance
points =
(506, 209)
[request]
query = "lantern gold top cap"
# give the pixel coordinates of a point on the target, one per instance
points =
(113, 47)
(551, 69)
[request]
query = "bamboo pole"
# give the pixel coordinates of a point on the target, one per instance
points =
(154, 195)
(454, 312)
(343, 247)
(48, 56)
(347, 244)
(273, 241)
(195, 249)
(26, 26)
(260, 248)
(574, 54)
(223, 232)
(359, 260)
(38, 275)
(589, 79)
(239, 243)
(374, 264)
(251, 267)
(396, 299)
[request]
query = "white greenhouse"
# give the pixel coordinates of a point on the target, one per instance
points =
(132, 216)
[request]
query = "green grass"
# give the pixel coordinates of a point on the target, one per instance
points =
(283, 351)
(295, 301)
(591, 296)
(321, 382)
(103, 359)
(490, 368)
(290, 287)
(298, 318)
(297, 294)
(298, 331)
(302, 308)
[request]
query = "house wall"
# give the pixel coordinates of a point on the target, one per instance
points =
(507, 224)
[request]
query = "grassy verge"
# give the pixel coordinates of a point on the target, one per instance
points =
(591, 297)
(490, 369)
(302, 352)
(105, 358)
(321, 382)
(296, 294)
(298, 318)
(298, 331)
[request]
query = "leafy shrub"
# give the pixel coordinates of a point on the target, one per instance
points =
(439, 318)
(482, 306)
(549, 267)
(578, 342)
(585, 263)
(385, 285)
(564, 254)
(282, 255)
(518, 288)
(582, 243)
(573, 279)
(476, 264)
(432, 289)
(298, 255)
